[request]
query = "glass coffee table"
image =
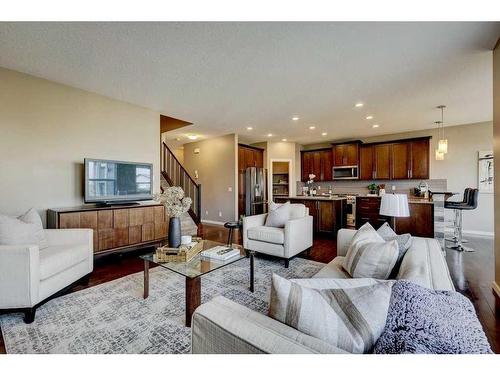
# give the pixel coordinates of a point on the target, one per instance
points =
(193, 270)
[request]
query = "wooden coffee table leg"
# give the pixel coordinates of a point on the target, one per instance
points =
(146, 279)
(193, 297)
(252, 277)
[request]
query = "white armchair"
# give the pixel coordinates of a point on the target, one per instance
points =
(30, 276)
(295, 237)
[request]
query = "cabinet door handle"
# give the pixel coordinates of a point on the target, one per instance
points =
(408, 173)
(411, 174)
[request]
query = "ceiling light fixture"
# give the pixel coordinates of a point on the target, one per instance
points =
(295, 118)
(370, 117)
(269, 135)
(324, 133)
(312, 127)
(192, 137)
(375, 126)
(443, 142)
(249, 128)
(283, 140)
(358, 105)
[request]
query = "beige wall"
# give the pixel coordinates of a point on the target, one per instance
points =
(496, 136)
(47, 129)
(459, 168)
(177, 150)
(217, 168)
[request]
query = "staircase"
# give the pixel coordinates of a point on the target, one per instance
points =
(174, 174)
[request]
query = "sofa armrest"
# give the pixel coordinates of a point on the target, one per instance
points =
(70, 237)
(19, 276)
(298, 235)
(223, 326)
(344, 238)
(251, 222)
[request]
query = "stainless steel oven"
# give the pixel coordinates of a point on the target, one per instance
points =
(345, 173)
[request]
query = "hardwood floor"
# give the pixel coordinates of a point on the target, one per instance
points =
(472, 274)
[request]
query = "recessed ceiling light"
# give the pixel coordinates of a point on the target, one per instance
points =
(312, 127)
(177, 139)
(283, 140)
(324, 133)
(269, 135)
(193, 137)
(295, 118)
(249, 128)
(369, 117)
(375, 125)
(358, 105)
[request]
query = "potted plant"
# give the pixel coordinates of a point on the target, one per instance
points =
(372, 188)
(175, 205)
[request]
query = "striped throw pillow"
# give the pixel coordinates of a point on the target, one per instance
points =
(369, 255)
(351, 319)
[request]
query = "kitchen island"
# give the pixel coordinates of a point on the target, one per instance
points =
(329, 213)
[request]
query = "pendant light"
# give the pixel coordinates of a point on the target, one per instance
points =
(439, 154)
(443, 142)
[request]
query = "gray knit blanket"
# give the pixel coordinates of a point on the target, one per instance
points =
(421, 320)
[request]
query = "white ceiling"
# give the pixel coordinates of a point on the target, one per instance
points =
(224, 77)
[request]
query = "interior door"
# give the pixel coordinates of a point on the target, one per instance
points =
(401, 160)
(382, 160)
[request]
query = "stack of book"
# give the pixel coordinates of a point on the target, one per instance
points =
(220, 253)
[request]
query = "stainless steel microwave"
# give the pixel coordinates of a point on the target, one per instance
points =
(349, 172)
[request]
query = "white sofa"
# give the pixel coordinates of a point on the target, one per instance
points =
(223, 326)
(295, 237)
(30, 276)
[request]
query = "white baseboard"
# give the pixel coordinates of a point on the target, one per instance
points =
(213, 222)
(496, 289)
(473, 232)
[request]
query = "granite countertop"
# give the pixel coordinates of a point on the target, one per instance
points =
(410, 199)
(316, 197)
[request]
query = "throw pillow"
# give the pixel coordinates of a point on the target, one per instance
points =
(351, 319)
(369, 255)
(26, 229)
(404, 242)
(278, 215)
(421, 320)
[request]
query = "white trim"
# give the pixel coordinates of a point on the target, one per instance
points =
(236, 186)
(496, 288)
(212, 222)
(478, 233)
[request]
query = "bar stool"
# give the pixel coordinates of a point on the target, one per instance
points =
(231, 225)
(455, 223)
(471, 204)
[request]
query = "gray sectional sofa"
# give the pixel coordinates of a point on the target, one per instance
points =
(223, 326)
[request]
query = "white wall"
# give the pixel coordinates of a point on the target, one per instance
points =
(47, 129)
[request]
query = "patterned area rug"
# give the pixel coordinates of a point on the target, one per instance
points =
(114, 318)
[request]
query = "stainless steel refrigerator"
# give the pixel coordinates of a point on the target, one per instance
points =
(255, 191)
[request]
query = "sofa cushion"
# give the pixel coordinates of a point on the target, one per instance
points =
(350, 318)
(334, 283)
(403, 240)
(278, 215)
(267, 234)
(369, 255)
(26, 229)
(334, 269)
(57, 258)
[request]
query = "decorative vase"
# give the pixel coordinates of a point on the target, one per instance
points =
(174, 232)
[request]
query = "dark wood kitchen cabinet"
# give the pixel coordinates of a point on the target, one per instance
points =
(317, 162)
(420, 159)
(382, 161)
(345, 154)
(401, 160)
(366, 167)
(420, 223)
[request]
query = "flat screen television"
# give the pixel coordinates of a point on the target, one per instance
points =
(118, 182)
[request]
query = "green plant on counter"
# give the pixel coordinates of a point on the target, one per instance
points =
(372, 187)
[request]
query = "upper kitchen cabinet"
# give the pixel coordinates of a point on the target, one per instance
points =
(249, 156)
(346, 154)
(420, 159)
(397, 160)
(317, 162)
